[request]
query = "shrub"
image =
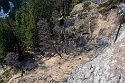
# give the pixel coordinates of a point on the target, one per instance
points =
(106, 6)
(86, 6)
(12, 59)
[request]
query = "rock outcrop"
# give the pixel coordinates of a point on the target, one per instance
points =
(108, 67)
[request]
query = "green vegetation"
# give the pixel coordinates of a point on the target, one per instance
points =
(106, 6)
(82, 15)
(86, 6)
(22, 33)
(8, 41)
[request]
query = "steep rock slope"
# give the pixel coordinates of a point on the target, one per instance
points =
(94, 30)
(108, 67)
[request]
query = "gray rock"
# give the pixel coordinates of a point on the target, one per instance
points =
(108, 67)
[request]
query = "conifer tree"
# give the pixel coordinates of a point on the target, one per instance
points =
(8, 38)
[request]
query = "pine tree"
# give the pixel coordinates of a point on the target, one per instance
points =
(8, 38)
(25, 25)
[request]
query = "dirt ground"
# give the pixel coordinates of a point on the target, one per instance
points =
(54, 69)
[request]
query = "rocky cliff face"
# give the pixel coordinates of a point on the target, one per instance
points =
(107, 67)
(89, 29)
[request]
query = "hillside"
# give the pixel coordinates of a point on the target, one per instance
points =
(107, 67)
(79, 42)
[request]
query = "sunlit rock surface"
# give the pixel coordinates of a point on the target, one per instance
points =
(108, 67)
